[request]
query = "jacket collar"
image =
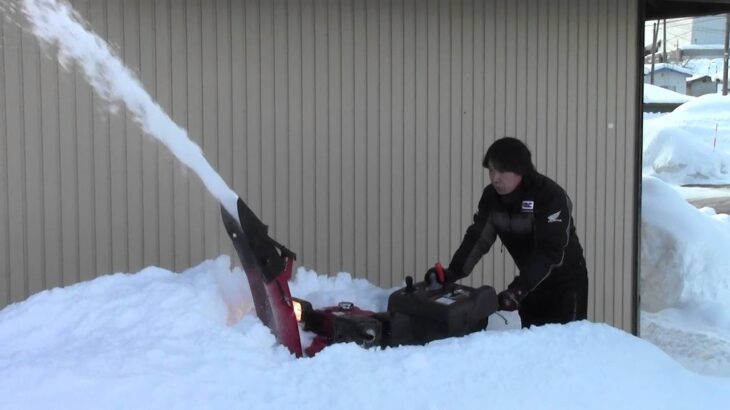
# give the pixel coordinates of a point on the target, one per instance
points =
(516, 196)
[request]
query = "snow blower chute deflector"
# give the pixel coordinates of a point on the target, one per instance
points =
(268, 267)
(417, 314)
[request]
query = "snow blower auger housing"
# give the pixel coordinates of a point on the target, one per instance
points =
(417, 314)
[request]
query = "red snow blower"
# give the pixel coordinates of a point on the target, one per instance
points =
(417, 314)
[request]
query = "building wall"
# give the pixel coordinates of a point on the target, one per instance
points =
(690, 53)
(708, 30)
(670, 80)
(355, 129)
(685, 31)
(701, 87)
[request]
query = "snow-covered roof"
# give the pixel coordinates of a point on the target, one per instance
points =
(702, 47)
(656, 94)
(701, 76)
(666, 66)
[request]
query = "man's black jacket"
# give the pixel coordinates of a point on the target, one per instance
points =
(534, 223)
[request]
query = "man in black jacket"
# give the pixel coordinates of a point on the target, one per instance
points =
(531, 214)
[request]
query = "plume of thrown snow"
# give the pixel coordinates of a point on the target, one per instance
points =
(57, 24)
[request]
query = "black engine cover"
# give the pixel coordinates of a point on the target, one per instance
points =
(419, 314)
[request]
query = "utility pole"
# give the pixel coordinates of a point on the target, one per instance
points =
(655, 30)
(664, 42)
(725, 54)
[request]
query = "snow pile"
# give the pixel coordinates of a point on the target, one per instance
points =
(705, 66)
(690, 145)
(324, 291)
(57, 24)
(685, 270)
(155, 339)
(685, 279)
(684, 259)
(656, 94)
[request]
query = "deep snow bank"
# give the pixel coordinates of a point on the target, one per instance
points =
(656, 94)
(161, 340)
(691, 145)
(684, 255)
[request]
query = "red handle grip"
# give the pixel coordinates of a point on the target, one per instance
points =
(440, 273)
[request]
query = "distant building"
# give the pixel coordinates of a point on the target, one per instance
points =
(702, 84)
(699, 37)
(699, 51)
(669, 76)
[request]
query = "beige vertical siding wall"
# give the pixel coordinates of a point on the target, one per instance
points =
(354, 128)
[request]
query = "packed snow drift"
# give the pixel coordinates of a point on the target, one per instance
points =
(685, 267)
(690, 145)
(656, 94)
(684, 258)
(685, 279)
(156, 339)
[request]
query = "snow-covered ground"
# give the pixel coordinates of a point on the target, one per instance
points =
(685, 279)
(160, 340)
(685, 267)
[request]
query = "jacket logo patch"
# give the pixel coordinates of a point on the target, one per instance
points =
(554, 218)
(528, 206)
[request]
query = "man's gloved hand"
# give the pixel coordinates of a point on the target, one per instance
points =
(432, 276)
(509, 299)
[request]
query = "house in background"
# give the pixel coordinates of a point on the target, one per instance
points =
(669, 76)
(702, 84)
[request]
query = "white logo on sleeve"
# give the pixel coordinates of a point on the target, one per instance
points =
(554, 217)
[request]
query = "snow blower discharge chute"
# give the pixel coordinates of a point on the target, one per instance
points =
(418, 313)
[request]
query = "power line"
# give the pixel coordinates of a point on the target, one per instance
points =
(687, 20)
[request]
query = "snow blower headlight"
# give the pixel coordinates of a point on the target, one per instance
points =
(301, 308)
(297, 310)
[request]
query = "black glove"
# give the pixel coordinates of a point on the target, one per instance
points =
(432, 276)
(509, 299)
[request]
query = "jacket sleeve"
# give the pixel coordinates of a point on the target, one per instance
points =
(551, 237)
(479, 237)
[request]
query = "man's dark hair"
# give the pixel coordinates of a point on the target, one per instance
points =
(509, 155)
